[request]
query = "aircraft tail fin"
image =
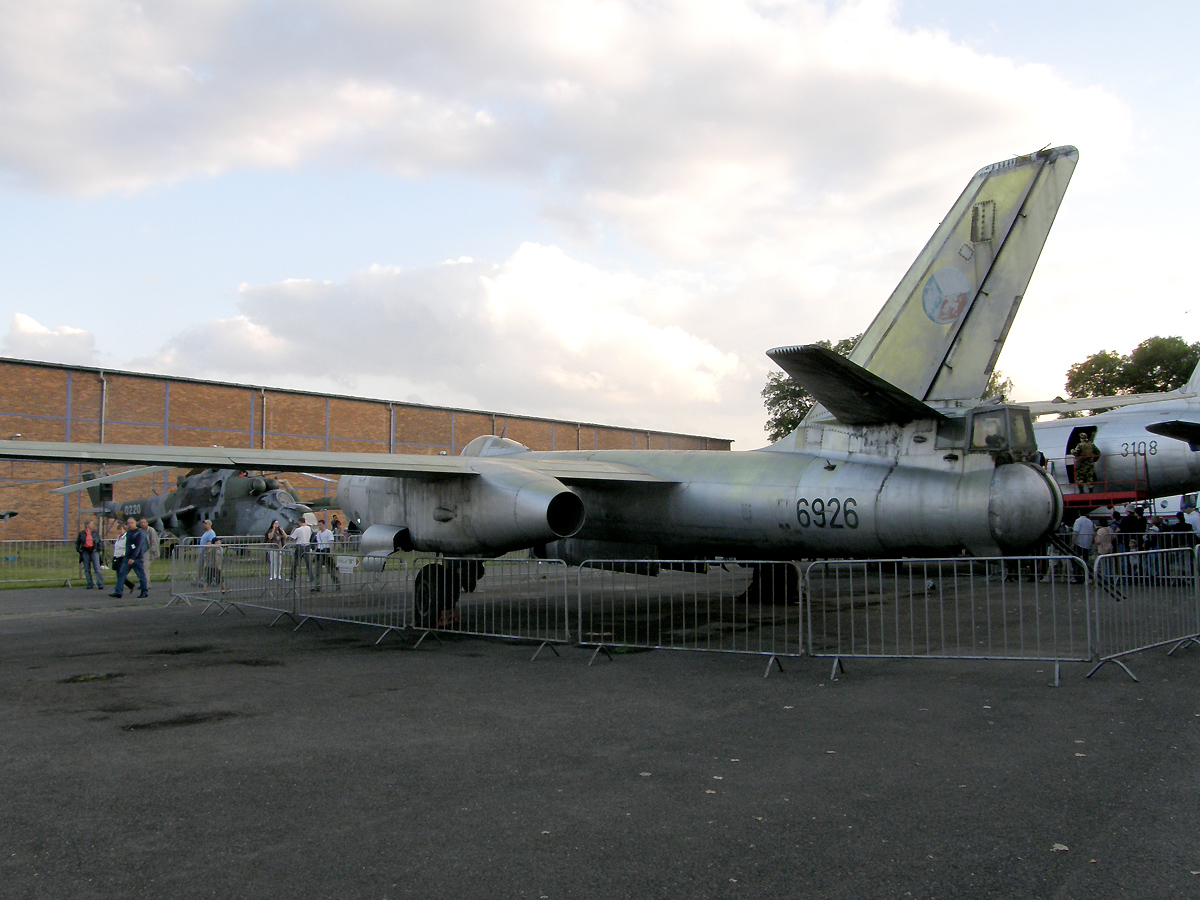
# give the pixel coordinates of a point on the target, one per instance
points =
(1193, 383)
(942, 329)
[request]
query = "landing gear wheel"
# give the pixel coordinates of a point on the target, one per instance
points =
(434, 592)
(469, 572)
(773, 584)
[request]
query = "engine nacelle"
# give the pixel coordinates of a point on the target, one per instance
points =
(496, 509)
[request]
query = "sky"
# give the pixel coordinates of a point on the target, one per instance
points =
(594, 211)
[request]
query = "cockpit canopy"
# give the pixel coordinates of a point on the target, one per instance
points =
(277, 499)
(1001, 428)
(492, 445)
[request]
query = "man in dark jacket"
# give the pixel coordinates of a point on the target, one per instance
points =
(135, 552)
(87, 545)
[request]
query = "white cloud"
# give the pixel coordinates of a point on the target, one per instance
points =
(541, 333)
(28, 339)
(773, 166)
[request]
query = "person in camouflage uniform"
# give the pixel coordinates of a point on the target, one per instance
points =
(1086, 453)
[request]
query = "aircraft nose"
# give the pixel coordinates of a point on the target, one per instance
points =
(1024, 505)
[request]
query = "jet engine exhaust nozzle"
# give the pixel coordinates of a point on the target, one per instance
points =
(565, 514)
(1024, 506)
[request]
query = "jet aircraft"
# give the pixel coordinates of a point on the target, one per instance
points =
(235, 501)
(899, 457)
(1149, 445)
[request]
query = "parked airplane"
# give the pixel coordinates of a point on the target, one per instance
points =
(235, 502)
(1149, 444)
(898, 459)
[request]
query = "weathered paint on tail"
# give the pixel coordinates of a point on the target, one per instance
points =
(941, 331)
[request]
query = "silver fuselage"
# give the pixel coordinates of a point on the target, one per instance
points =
(828, 490)
(1131, 458)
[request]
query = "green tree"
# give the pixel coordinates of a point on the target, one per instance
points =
(1156, 364)
(787, 403)
(998, 385)
(1100, 375)
(1160, 364)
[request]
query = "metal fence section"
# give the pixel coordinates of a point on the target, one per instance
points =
(1145, 599)
(524, 599)
(41, 562)
(1016, 608)
(744, 607)
(55, 563)
(292, 581)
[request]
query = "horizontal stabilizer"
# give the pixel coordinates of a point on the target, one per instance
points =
(849, 392)
(1180, 431)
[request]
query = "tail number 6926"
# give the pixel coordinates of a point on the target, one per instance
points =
(831, 513)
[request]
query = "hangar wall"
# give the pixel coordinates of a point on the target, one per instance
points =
(53, 402)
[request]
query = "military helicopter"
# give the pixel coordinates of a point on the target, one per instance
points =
(234, 500)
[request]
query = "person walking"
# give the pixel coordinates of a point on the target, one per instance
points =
(135, 551)
(324, 557)
(153, 547)
(118, 557)
(87, 545)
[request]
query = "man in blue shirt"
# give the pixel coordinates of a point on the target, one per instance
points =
(135, 552)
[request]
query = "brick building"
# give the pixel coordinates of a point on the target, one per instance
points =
(53, 402)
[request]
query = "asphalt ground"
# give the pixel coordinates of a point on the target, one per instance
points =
(151, 752)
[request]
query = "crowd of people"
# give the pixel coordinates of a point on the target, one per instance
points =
(310, 548)
(136, 544)
(1128, 530)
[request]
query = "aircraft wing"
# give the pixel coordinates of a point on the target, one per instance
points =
(1074, 404)
(852, 394)
(328, 463)
(1179, 430)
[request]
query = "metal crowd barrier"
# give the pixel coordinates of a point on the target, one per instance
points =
(1016, 608)
(295, 582)
(56, 564)
(41, 562)
(744, 607)
(522, 599)
(1145, 599)
(1013, 608)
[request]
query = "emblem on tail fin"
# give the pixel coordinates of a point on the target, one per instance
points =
(945, 296)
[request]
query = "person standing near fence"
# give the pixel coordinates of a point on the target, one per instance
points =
(152, 544)
(135, 549)
(87, 545)
(275, 538)
(211, 561)
(1192, 518)
(1084, 534)
(325, 557)
(206, 538)
(302, 537)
